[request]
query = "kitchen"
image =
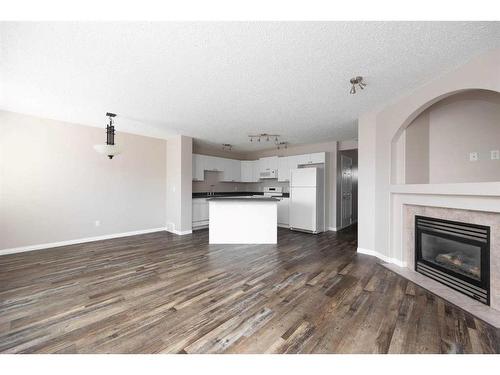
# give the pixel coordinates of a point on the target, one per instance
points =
(299, 194)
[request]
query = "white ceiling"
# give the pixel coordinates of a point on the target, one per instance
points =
(220, 81)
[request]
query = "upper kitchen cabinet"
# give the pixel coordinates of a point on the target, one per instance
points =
(268, 164)
(212, 163)
(284, 168)
(256, 171)
(198, 167)
(316, 158)
(231, 170)
(247, 171)
(294, 161)
(227, 173)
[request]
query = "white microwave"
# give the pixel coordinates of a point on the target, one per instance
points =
(271, 173)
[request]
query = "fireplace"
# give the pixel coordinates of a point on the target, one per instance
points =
(455, 254)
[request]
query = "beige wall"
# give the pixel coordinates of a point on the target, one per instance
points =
(179, 184)
(417, 151)
(366, 181)
(54, 186)
(439, 140)
(464, 123)
(377, 131)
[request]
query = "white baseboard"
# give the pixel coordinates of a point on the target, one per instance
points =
(198, 227)
(382, 257)
(336, 229)
(179, 232)
(284, 226)
(77, 241)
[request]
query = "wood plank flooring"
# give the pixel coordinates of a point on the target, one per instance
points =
(162, 293)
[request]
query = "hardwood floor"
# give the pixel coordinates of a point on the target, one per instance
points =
(162, 293)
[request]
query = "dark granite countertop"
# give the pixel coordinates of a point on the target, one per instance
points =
(232, 194)
(243, 199)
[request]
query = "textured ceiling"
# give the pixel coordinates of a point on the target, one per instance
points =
(220, 81)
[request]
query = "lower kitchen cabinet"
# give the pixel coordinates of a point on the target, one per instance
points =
(200, 212)
(283, 215)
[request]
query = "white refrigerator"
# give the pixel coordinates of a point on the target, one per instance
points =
(307, 200)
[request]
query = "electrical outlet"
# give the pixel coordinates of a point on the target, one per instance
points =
(495, 154)
(473, 156)
(97, 223)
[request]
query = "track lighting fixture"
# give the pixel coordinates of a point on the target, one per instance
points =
(227, 147)
(356, 81)
(265, 137)
(275, 138)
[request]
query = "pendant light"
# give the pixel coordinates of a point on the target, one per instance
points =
(109, 148)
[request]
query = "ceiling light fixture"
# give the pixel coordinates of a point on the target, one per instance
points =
(227, 147)
(356, 81)
(109, 148)
(265, 136)
(282, 145)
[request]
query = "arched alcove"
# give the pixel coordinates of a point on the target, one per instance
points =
(435, 143)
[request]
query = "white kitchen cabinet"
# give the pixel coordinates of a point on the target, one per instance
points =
(198, 167)
(247, 171)
(200, 212)
(268, 163)
(227, 174)
(256, 171)
(293, 161)
(231, 170)
(316, 158)
(284, 168)
(302, 159)
(213, 163)
(236, 170)
(283, 212)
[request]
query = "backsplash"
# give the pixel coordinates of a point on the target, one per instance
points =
(212, 183)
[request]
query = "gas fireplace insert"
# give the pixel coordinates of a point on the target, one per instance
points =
(455, 254)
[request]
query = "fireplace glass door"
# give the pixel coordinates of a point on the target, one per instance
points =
(455, 256)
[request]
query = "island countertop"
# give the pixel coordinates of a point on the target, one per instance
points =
(243, 199)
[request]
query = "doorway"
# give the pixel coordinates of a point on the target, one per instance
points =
(347, 188)
(346, 218)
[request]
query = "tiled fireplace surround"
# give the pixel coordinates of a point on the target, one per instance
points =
(458, 205)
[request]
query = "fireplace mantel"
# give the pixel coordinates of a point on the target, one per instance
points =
(487, 189)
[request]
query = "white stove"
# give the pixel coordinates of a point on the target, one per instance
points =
(273, 191)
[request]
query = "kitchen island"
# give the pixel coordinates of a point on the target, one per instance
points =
(243, 220)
